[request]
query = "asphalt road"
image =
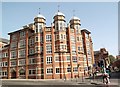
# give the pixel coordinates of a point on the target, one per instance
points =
(53, 83)
(44, 82)
(115, 82)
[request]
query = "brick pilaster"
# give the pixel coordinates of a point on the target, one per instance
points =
(70, 52)
(26, 56)
(44, 52)
(53, 41)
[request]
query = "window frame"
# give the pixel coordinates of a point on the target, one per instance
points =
(49, 71)
(49, 60)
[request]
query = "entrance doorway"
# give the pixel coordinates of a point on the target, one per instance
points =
(13, 74)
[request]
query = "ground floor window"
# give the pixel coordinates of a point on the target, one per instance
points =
(57, 70)
(32, 71)
(49, 70)
(4, 73)
(69, 69)
(75, 69)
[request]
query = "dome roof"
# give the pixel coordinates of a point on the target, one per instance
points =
(40, 16)
(75, 18)
(59, 14)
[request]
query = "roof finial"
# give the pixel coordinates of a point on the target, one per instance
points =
(58, 8)
(73, 12)
(39, 10)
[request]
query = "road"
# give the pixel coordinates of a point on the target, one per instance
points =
(115, 80)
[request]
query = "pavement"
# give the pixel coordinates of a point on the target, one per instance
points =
(58, 82)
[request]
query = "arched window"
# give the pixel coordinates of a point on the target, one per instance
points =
(21, 72)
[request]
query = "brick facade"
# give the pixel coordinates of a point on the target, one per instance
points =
(56, 52)
(102, 54)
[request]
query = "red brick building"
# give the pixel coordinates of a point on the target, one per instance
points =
(116, 63)
(55, 52)
(102, 54)
(4, 54)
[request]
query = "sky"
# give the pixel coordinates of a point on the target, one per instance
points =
(100, 18)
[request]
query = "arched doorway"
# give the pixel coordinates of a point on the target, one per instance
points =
(13, 74)
(22, 74)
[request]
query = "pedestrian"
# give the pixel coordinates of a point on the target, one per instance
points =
(94, 75)
(108, 71)
(106, 78)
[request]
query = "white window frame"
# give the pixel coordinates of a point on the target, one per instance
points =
(75, 69)
(57, 59)
(13, 54)
(78, 48)
(49, 60)
(41, 49)
(13, 45)
(14, 37)
(69, 69)
(41, 39)
(4, 73)
(23, 62)
(37, 49)
(31, 61)
(36, 28)
(31, 42)
(49, 70)
(72, 38)
(22, 53)
(31, 51)
(67, 58)
(4, 54)
(49, 49)
(32, 70)
(48, 37)
(3, 64)
(22, 34)
(13, 61)
(56, 70)
(73, 49)
(22, 43)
